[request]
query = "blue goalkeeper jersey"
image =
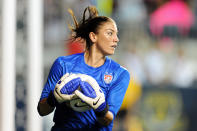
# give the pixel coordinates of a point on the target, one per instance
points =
(111, 77)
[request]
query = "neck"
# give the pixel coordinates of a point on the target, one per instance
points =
(94, 59)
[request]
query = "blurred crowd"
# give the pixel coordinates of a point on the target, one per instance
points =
(157, 47)
(158, 42)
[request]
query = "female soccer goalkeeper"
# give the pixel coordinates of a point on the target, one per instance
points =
(100, 35)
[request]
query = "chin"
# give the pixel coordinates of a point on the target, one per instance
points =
(109, 53)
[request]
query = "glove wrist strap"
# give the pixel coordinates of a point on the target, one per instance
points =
(51, 100)
(103, 112)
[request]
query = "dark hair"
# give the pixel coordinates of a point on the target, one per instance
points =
(85, 26)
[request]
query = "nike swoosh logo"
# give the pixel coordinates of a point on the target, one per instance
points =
(94, 103)
(76, 105)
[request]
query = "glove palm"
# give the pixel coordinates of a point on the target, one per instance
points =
(98, 103)
(65, 87)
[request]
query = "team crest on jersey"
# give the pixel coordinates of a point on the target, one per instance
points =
(108, 78)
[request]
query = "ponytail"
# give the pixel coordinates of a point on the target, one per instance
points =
(87, 25)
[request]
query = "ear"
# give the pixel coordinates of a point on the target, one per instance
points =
(93, 37)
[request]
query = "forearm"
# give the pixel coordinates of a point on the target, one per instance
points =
(44, 108)
(107, 119)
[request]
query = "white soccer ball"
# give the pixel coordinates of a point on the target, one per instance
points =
(78, 105)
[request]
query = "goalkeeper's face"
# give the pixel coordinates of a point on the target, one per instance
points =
(106, 38)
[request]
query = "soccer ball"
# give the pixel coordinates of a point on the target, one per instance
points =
(78, 105)
(74, 101)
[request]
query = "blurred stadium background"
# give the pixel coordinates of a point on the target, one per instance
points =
(158, 45)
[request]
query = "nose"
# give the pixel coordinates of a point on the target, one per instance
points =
(116, 39)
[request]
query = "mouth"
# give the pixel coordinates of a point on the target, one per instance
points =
(114, 46)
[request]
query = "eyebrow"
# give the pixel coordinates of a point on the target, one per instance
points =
(112, 30)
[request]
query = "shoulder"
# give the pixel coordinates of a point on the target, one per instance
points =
(118, 72)
(68, 59)
(117, 67)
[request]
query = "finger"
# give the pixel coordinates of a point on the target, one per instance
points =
(57, 96)
(62, 96)
(72, 96)
(65, 76)
(94, 84)
(83, 97)
(71, 86)
(69, 78)
(87, 89)
(82, 86)
(90, 80)
(67, 97)
(75, 82)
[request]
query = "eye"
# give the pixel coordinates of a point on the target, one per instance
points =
(110, 33)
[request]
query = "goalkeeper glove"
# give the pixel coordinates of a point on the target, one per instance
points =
(87, 89)
(65, 87)
(98, 103)
(71, 86)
